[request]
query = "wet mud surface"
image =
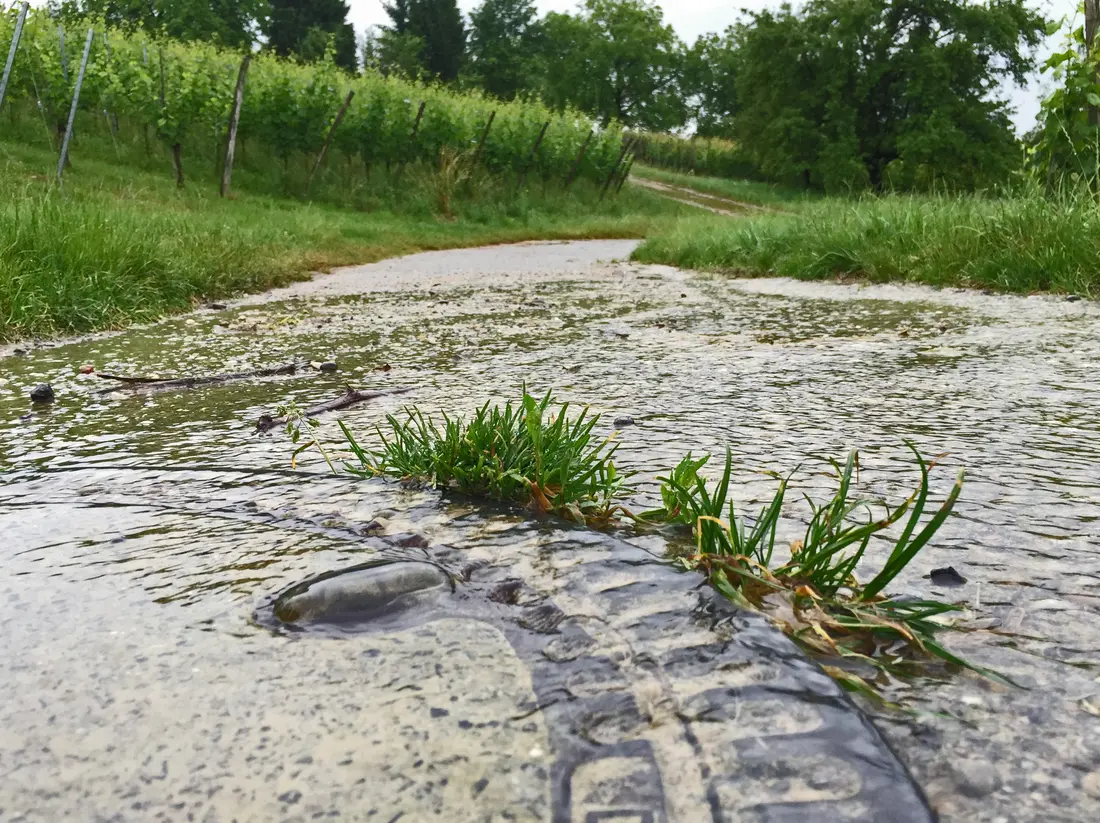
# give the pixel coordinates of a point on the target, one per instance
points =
(565, 675)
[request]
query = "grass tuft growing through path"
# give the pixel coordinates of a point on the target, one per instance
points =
(814, 596)
(527, 452)
(531, 452)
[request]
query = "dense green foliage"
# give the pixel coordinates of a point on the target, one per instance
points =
(433, 30)
(835, 95)
(617, 60)
(183, 91)
(848, 94)
(1067, 140)
(232, 23)
(504, 39)
(308, 28)
(1024, 243)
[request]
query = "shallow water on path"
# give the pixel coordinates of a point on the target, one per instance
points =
(141, 531)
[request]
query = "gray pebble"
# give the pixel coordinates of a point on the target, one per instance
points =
(977, 778)
(624, 421)
(328, 367)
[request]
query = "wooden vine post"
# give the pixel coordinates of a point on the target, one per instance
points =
(64, 59)
(412, 137)
(577, 161)
(531, 157)
(626, 173)
(72, 111)
(11, 52)
(607, 183)
(234, 122)
(1092, 23)
(328, 140)
(484, 135)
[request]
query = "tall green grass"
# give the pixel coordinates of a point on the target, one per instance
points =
(119, 245)
(1023, 243)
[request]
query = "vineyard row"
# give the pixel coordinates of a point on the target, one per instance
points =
(179, 91)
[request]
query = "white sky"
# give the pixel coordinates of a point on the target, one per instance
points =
(691, 18)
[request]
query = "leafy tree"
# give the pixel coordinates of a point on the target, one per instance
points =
(1066, 142)
(709, 83)
(439, 23)
(438, 28)
(398, 12)
(617, 60)
(307, 27)
(503, 42)
(853, 93)
(233, 23)
(390, 53)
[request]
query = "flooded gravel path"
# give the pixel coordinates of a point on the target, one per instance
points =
(145, 535)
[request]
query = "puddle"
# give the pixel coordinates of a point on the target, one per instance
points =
(143, 532)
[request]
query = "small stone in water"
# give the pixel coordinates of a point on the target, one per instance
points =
(1073, 298)
(19, 352)
(1091, 784)
(624, 421)
(360, 593)
(87, 368)
(977, 778)
(947, 577)
(328, 367)
(42, 393)
(215, 306)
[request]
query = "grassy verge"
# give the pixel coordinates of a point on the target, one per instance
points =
(120, 244)
(531, 453)
(744, 191)
(1025, 243)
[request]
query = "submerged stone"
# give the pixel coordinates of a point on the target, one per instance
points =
(947, 577)
(42, 393)
(361, 592)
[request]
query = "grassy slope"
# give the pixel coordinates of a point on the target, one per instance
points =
(1023, 244)
(745, 191)
(122, 245)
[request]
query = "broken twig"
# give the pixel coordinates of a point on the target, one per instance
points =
(191, 382)
(267, 422)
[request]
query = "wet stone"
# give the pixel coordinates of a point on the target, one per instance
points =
(976, 778)
(623, 422)
(947, 577)
(1090, 783)
(360, 593)
(42, 393)
(328, 367)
